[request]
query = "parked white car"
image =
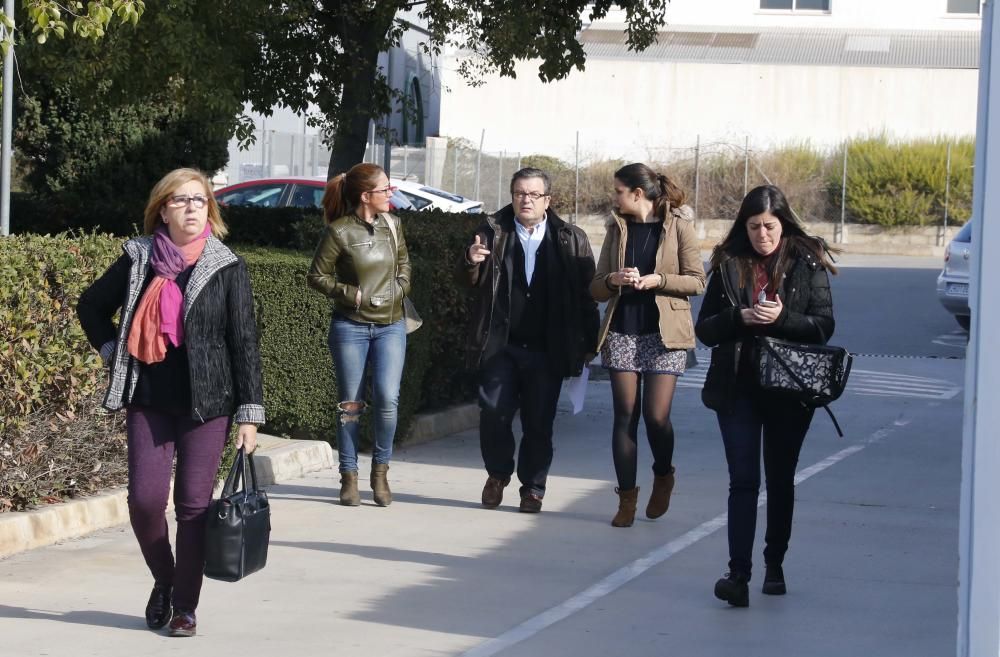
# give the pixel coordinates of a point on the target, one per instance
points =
(423, 197)
(953, 282)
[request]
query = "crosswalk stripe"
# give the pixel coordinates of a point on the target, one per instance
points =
(865, 382)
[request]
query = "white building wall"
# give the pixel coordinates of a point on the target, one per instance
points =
(628, 109)
(873, 14)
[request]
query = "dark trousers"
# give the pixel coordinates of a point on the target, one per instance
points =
(153, 438)
(511, 380)
(782, 426)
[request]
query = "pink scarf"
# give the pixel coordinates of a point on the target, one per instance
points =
(159, 317)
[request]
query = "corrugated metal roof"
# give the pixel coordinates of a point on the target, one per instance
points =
(816, 47)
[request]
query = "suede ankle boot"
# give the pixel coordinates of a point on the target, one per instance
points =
(627, 500)
(349, 495)
(659, 500)
(733, 589)
(380, 484)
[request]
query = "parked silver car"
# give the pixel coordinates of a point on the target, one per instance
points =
(953, 282)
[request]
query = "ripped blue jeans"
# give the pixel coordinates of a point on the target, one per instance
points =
(354, 345)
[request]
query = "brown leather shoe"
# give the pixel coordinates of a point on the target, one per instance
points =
(158, 607)
(183, 623)
(493, 491)
(530, 503)
(627, 500)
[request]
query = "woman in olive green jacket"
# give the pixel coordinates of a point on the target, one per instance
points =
(363, 266)
(649, 265)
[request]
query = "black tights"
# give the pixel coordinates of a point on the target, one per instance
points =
(654, 404)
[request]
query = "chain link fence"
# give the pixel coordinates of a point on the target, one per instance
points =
(715, 174)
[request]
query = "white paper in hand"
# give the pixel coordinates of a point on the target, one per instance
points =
(576, 389)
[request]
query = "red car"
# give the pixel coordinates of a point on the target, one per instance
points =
(297, 192)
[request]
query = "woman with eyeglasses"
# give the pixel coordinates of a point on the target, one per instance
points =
(650, 264)
(184, 364)
(365, 270)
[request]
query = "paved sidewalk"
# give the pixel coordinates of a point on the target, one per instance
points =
(871, 570)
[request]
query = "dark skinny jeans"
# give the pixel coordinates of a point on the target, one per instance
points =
(781, 426)
(153, 438)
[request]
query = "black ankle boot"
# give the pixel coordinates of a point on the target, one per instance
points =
(774, 581)
(158, 607)
(733, 589)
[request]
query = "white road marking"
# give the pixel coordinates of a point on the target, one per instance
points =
(866, 382)
(627, 573)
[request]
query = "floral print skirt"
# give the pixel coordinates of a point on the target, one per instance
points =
(642, 353)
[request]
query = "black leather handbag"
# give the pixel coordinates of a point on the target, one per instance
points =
(238, 526)
(813, 374)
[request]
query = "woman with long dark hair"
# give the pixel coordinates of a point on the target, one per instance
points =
(768, 278)
(649, 266)
(362, 265)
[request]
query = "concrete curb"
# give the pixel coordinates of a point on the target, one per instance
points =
(276, 460)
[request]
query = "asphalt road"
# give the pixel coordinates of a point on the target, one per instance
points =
(872, 567)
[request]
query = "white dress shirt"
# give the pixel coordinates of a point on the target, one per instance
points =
(530, 239)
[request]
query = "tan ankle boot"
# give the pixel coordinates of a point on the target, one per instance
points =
(659, 500)
(626, 507)
(349, 495)
(380, 484)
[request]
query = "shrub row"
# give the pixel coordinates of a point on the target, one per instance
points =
(51, 380)
(888, 183)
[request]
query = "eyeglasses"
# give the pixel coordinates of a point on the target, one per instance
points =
(388, 191)
(534, 196)
(181, 200)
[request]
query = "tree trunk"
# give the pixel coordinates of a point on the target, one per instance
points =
(362, 37)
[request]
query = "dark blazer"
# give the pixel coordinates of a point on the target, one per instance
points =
(220, 331)
(807, 317)
(572, 319)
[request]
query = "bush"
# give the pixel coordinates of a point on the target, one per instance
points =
(903, 183)
(54, 442)
(45, 361)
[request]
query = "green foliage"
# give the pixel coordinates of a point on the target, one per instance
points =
(903, 183)
(95, 165)
(45, 361)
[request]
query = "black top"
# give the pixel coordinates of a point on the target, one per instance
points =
(636, 312)
(166, 386)
(528, 302)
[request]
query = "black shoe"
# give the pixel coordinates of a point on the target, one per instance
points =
(774, 581)
(733, 589)
(158, 607)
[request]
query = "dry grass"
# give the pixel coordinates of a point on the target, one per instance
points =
(53, 458)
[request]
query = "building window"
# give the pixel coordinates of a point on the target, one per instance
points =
(963, 7)
(796, 5)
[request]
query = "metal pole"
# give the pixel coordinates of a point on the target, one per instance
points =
(697, 172)
(518, 162)
(500, 179)
(947, 192)
(576, 187)
(270, 154)
(454, 182)
(479, 160)
(746, 165)
(8, 120)
(315, 155)
(406, 161)
(843, 199)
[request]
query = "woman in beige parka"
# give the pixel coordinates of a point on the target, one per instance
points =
(649, 265)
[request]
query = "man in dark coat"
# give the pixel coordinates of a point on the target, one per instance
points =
(533, 324)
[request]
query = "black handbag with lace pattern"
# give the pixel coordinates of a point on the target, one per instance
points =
(813, 374)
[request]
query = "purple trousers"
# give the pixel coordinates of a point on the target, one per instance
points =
(153, 439)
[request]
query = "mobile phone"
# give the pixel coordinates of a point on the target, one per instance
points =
(767, 303)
